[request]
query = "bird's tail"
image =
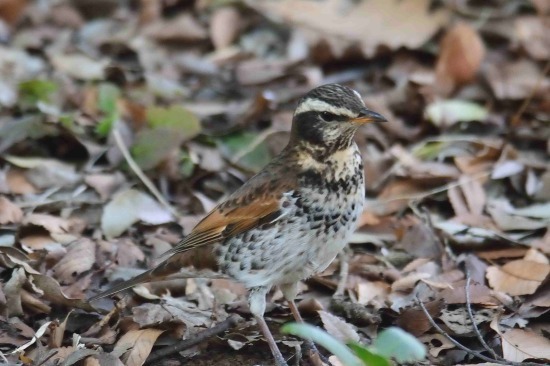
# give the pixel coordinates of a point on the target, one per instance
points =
(160, 272)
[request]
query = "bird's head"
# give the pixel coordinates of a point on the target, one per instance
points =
(329, 115)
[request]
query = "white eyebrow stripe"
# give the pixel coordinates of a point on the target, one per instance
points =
(358, 95)
(320, 106)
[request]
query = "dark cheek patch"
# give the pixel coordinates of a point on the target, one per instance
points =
(308, 128)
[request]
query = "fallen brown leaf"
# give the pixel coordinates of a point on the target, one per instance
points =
(368, 24)
(136, 345)
(519, 277)
(462, 52)
(80, 258)
(9, 212)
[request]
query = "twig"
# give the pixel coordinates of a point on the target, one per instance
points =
(471, 316)
(137, 171)
(466, 349)
(228, 323)
(451, 339)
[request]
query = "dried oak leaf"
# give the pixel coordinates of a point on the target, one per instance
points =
(462, 52)
(9, 212)
(128, 207)
(52, 224)
(367, 24)
(53, 293)
(80, 258)
(517, 80)
(532, 35)
(519, 344)
(338, 328)
(225, 25)
(519, 277)
(136, 346)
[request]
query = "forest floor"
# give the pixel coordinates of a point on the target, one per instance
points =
(123, 123)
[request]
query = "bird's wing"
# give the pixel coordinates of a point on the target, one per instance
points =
(259, 201)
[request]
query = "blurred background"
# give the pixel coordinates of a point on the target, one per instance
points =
(123, 122)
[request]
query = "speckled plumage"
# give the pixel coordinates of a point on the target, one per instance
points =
(290, 220)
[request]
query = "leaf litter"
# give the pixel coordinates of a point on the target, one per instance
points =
(201, 94)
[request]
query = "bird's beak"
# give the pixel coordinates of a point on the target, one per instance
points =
(368, 116)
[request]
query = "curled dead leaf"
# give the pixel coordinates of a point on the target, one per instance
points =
(462, 52)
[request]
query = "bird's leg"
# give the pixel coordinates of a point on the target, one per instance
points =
(256, 301)
(289, 292)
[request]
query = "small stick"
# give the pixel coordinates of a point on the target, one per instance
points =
(228, 323)
(466, 349)
(451, 339)
(471, 316)
(137, 171)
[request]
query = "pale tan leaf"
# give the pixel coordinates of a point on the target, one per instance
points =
(519, 277)
(338, 328)
(372, 291)
(9, 212)
(136, 345)
(519, 344)
(80, 258)
(225, 24)
(368, 24)
(462, 52)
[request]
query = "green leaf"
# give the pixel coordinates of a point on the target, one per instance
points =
(176, 118)
(168, 129)
(321, 337)
(448, 112)
(187, 165)
(239, 148)
(429, 150)
(369, 358)
(108, 95)
(33, 91)
(397, 344)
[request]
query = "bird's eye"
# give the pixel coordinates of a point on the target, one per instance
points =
(327, 116)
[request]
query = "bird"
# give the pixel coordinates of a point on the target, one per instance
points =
(290, 220)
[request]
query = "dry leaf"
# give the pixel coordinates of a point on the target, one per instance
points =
(338, 328)
(183, 28)
(80, 258)
(53, 293)
(462, 52)
(437, 343)
(519, 344)
(367, 24)
(517, 80)
(372, 292)
(53, 224)
(128, 207)
(519, 277)
(532, 35)
(9, 212)
(225, 25)
(459, 322)
(136, 345)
